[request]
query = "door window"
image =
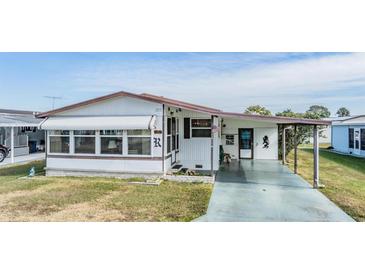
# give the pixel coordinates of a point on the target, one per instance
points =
(246, 139)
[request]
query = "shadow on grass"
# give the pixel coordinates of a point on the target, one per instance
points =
(351, 162)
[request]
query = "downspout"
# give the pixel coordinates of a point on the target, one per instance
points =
(151, 124)
(41, 123)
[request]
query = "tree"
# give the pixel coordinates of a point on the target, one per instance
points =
(258, 110)
(343, 112)
(317, 112)
(303, 132)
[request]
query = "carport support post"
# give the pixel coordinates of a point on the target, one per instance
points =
(295, 150)
(283, 146)
(12, 144)
(315, 158)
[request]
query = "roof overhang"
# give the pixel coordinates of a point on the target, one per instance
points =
(274, 119)
(19, 121)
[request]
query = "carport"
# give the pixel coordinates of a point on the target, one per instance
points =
(285, 127)
(267, 191)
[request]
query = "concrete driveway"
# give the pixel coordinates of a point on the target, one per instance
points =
(265, 191)
(23, 159)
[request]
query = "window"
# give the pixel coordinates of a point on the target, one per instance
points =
(139, 142)
(351, 138)
(230, 140)
(169, 124)
(173, 145)
(362, 139)
(84, 141)
(357, 139)
(111, 142)
(201, 128)
(186, 128)
(59, 141)
(177, 134)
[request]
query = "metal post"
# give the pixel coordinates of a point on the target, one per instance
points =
(295, 150)
(283, 146)
(12, 145)
(315, 158)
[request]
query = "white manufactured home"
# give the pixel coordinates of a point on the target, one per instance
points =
(348, 135)
(126, 133)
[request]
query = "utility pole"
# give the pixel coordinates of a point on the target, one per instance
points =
(53, 98)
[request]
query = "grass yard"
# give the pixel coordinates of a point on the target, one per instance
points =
(343, 176)
(96, 199)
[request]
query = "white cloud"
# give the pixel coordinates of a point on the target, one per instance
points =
(291, 83)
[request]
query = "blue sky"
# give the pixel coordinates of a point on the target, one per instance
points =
(229, 81)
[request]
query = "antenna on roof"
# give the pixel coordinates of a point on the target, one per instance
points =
(54, 98)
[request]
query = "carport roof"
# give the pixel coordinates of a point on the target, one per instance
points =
(274, 119)
(19, 121)
(188, 106)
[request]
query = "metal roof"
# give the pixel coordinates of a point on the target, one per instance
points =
(354, 120)
(15, 111)
(188, 106)
(9, 120)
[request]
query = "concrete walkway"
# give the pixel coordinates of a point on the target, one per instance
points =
(23, 159)
(265, 190)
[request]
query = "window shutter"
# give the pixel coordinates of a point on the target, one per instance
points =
(351, 138)
(186, 128)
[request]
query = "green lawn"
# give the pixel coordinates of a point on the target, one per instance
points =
(343, 177)
(96, 199)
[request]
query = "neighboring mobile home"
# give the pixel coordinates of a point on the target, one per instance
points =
(126, 133)
(348, 135)
(19, 131)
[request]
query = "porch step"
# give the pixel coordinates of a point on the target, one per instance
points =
(176, 168)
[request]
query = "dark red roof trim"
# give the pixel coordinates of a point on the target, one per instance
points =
(188, 106)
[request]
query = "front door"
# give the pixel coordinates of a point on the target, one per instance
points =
(245, 143)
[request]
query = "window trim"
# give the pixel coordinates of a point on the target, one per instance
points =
(49, 135)
(191, 128)
(99, 138)
(136, 136)
(85, 136)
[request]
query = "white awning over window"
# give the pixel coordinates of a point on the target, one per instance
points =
(100, 122)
